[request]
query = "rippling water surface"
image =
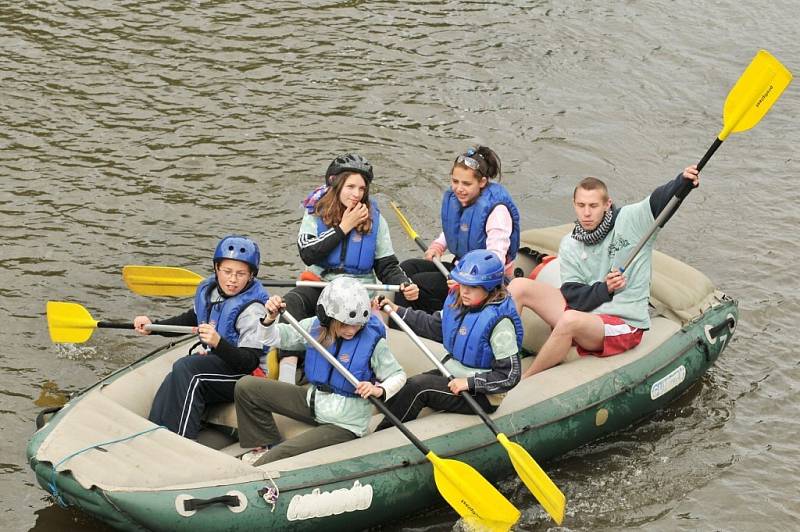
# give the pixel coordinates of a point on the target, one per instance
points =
(139, 132)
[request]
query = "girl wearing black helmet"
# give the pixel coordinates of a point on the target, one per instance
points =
(477, 213)
(482, 332)
(342, 233)
(339, 411)
(227, 309)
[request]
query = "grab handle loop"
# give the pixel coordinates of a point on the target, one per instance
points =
(40, 417)
(729, 324)
(190, 505)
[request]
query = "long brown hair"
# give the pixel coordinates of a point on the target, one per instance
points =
(331, 210)
(495, 295)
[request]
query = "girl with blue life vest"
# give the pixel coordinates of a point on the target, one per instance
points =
(346, 327)
(228, 307)
(342, 233)
(477, 213)
(482, 332)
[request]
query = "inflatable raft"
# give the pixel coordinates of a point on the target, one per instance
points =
(100, 453)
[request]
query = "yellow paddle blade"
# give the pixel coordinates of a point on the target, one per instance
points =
(404, 221)
(160, 280)
(543, 488)
(471, 495)
(757, 89)
(273, 365)
(69, 323)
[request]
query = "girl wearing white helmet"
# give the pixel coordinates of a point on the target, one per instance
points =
(340, 412)
(342, 234)
(482, 332)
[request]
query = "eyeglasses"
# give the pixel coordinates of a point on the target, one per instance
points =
(231, 273)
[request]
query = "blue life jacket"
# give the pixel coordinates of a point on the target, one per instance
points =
(465, 228)
(226, 311)
(467, 335)
(354, 354)
(356, 254)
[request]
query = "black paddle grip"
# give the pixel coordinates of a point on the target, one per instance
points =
(707, 156)
(114, 325)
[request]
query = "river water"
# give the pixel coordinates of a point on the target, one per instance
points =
(139, 132)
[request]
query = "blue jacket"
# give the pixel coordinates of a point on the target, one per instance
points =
(467, 335)
(356, 254)
(354, 354)
(465, 228)
(225, 312)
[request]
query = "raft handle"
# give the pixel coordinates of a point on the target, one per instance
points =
(190, 505)
(729, 324)
(40, 422)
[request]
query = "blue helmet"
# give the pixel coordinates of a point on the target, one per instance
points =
(239, 248)
(350, 162)
(479, 267)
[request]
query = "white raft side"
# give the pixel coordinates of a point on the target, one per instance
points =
(156, 460)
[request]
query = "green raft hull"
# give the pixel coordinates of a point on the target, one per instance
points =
(387, 485)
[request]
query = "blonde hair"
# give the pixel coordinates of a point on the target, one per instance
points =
(330, 333)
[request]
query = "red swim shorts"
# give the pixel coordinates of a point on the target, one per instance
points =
(619, 337)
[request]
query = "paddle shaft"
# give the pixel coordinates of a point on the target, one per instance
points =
(436, 260)
(671, 206)
(323, 284)
(182, 329)
(352, 380)
(473, 404)
(143, 279)
(416, 238)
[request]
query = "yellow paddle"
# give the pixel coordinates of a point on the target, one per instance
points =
(466, 490)
(760, 86)
(161, 280)
(170, 281)
(71, 323)
(543, 488)
(416, 238)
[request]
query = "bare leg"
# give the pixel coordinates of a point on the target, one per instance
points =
(583, 328)
(543, 299)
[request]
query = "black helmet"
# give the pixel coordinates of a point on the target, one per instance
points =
(352, 162)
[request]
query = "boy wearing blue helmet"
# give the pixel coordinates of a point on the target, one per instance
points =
(482, 332)
(227, 309)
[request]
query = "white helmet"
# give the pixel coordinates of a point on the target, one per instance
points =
(344, 299)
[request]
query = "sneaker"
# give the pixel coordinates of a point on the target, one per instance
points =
(254, 455)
